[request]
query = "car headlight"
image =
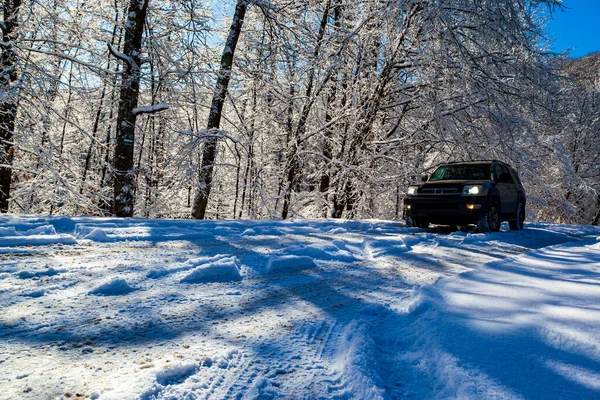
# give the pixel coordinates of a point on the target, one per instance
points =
(412, 190)
(472, 190)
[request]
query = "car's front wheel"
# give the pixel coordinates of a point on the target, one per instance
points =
(490, 222)
(517, 224)
(422, 224)
(416, 223)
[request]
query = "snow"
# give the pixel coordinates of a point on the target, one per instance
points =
(289, 264)
(118, 54)
(165, 309)
(95, 234)
(222, 270)
(115, 287)
(150, 109)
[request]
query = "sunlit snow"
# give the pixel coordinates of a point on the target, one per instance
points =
(165, 309)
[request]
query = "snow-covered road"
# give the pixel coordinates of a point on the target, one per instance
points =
(164, 309)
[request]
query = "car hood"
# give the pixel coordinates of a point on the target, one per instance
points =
(451, 184)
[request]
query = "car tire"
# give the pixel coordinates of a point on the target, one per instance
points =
(415, 223)
(519, 220)
(422, 224)
(490, 222)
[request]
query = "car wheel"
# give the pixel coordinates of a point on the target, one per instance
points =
(520, 218)
(422, 224)
(415, 223)
(490, 222)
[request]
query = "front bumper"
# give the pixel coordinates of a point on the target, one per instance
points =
(449, 210)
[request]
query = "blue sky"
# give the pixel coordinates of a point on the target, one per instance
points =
(577, 27)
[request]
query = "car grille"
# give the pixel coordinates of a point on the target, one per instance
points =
(440, 191)
(434, 206)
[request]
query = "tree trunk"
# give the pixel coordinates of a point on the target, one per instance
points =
(596, 220)
(8, 104)
(123, 174)
(214, 119)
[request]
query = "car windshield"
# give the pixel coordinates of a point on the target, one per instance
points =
(462, 172)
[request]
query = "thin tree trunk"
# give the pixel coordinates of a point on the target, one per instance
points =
(103, 204)
(292, 162)
(8, 104)
(237, 179)
(88, 156)
(596, 220)
(249, 160)
(246, 174)
(238, 161)
(327, 140)
(327, 154)
(216, 109)
(123, 174)
(289, 126)
(61, 148)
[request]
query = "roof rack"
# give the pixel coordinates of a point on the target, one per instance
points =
(473, 162)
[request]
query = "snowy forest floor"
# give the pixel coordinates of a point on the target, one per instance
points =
(165, 309)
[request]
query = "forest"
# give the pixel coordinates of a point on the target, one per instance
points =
(272, 109)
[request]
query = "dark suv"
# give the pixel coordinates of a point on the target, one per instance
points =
(482, 193)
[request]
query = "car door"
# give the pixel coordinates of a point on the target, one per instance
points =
(518, 185)
(508, 191)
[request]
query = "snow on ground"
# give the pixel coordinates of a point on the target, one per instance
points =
(164, 309)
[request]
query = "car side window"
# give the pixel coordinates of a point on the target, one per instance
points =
(515, 176)
(505, 176)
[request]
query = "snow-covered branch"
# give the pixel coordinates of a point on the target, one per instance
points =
(150, 109)
(121, 56)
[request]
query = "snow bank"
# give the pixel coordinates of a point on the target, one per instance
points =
(62, 224)
(222, 270)
(8, 231)
(262, 231)
(41, 230)
(97, 235)
(36, 240)
(357, 363)
(523, 326)
(35, 293)
(37, 274)
(115, 287)
(289, 263)
(158, 272)
(325, 252)
(176, 373)
(38, 233)
(384, 247)
(93, 233)
(248, 232)
(262, 388)
(376, 310)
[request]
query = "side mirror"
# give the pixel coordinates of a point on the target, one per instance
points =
(424, 178)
